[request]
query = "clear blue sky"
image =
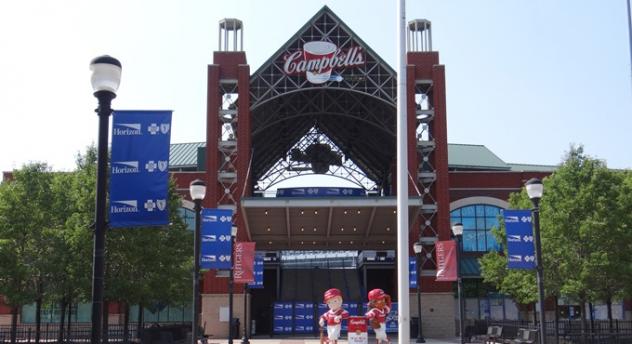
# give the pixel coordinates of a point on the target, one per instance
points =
(526, 78)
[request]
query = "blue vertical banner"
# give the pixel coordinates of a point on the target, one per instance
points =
(216, 245)
(520, 249)
(412, 272)
(258, 271)
(282, 318)
(392, 326)
(139, 168)
(303, 317)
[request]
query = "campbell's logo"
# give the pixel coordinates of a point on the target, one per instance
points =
(319, 58)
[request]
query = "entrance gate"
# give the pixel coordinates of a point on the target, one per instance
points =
(324, 103)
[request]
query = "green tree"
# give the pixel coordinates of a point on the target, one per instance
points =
(151, 265)
(584, 230)
(25, 214)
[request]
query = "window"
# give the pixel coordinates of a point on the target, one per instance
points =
(188, 216)
(477, 220)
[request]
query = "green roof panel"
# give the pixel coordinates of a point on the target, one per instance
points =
(474, 157)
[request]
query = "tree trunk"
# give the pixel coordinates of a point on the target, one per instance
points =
(38, 317)
(38, 311)
(139, 324)
(14, 324)
(557, 321)
(69, 319)
(60, 334)
(106, 322)
(584, 323)
(592, 321)
(609, 305)
(126, 324)
(535, 315)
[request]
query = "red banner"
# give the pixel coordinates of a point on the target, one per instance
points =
(243, 266)
(446, 261)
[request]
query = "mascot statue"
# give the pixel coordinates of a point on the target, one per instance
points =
(379, 306)
(334, 316)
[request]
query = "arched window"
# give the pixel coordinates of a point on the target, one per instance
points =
(477, 220)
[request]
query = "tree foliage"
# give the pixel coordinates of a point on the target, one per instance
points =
(46, 238)
(585, 217)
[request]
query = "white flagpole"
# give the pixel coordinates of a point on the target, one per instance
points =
(402, 181)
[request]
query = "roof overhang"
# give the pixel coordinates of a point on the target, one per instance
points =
(337, 223)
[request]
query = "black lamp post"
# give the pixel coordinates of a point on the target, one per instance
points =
(457, 230)
(197, 189)
(535, 189)
(231, 282)
(106, 77)
(245, 339)
(417, 248)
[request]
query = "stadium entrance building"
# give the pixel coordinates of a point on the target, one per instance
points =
(325, 103)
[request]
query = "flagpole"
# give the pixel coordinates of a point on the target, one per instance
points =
(402, 181)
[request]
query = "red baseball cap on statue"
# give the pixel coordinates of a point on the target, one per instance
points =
(376, 294)
(331, 293)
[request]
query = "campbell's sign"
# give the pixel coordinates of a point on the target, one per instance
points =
(319, 58)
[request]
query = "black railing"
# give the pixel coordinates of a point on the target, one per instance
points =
(568, 331)
(81, 333)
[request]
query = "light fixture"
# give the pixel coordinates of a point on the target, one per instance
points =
(359, 212)
(302, 229)
(394, 211)
(315, 212)
(351, 242)
(535, 188)
(197, 189)
(269, 242)
(106, 74)
(345, 212)
(457, 229)
(302, 212)
(268, 229)
(314, 229)
(265, 212)
(354, 229)
(342, 229)
(388, 229)
(417, 247)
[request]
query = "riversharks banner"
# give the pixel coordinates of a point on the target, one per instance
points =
(243, 269)
(139, 172)
(520, 250)
(216, 241)
(446, 260)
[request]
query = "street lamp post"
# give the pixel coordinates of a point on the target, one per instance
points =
(231, 282)
(417, 248)
(197, 189)
(106, 77)
(457, 230)
(245, 339)
(535, 189)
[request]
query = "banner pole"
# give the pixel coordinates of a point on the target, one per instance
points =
(402, 181)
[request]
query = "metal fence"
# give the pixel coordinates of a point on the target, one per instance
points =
(568, 331)
(81, 333)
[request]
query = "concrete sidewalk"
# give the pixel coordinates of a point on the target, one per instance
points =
(317, 341)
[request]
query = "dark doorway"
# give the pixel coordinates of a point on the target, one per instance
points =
(383, 278)
(261, 303)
